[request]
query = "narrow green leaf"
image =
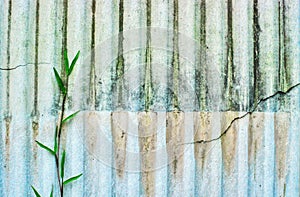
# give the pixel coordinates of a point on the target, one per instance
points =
(51, 194)
(70, 116)
(66, 62)
(62, 165)
(45, 147)
(74, 178)
(59, 81)
(35, 192)
(74, 62)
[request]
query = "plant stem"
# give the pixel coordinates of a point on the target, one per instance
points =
(58, 137)
(57, 170)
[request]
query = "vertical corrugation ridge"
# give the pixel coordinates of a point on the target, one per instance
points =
(228, 94)
(64, 41)
(148, 70)
(256, 31)
(147, 129)
(2, 169)
(280, 50)
(284, 78)
(92, 86)
(169, 60)
(280, 43)
(175, 133)
(8, 56)
(200, 74)
(35, 113)
(118, 77)
(285, 54)
(36, 59)
(120, 63)
(56, 53)
(7, 115)
(175, 60)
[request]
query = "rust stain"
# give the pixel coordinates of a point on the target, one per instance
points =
(35, 129)
(282, 122)
(255, 140)
(255, 135)
(92, 129)
(7, 141)
(229, 141)
(202, 128)
(147, 143)
(174, 138)
(119, 125)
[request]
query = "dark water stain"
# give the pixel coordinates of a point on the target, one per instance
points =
(229, 79)
(175, 60)
(35, 113)
(92, 87)
(148, 61)
(8, 55)
(64, 31)
(256, 54)
(284, 74)
(36, 58)
(7, 117)
(118, 77)
(201, 65)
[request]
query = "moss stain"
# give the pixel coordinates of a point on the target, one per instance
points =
(148, 59)
(175, 59)
(200, 73)
(118, 78)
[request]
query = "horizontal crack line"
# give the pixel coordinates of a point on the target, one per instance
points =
(22, 65)
(244, 115)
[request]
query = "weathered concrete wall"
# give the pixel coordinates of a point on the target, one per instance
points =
(178, 97)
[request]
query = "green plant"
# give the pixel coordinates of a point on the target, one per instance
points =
(62, 82)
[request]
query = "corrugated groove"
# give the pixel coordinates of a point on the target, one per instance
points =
(172, 105)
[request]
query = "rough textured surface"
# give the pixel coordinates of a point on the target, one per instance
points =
(210, 60)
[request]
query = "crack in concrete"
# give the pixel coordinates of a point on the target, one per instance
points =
(22, 65)
(280, 92)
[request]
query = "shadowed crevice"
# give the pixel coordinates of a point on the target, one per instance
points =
(256, 52)
(92, 89)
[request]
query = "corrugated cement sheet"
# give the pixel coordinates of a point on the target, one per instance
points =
(177, 97)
